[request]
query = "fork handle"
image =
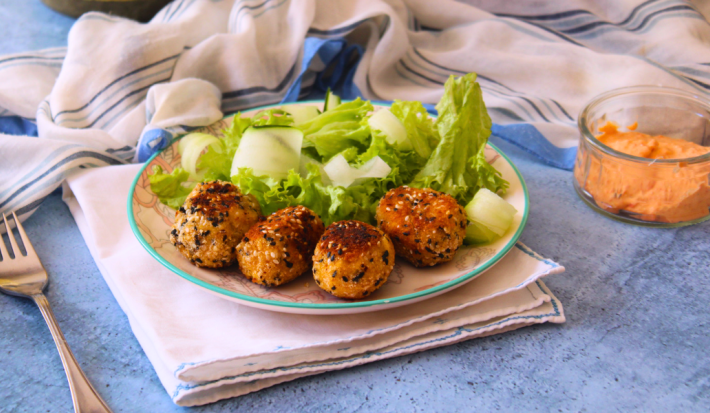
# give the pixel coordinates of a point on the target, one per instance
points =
(84, 396)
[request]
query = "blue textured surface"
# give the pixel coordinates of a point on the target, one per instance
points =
(636, 301)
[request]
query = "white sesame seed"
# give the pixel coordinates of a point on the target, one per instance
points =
(276, 261)
(273, 254)
(406, 218)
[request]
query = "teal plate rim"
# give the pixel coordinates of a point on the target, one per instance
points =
(356, 304)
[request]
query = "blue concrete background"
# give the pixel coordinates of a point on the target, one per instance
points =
(636, 301)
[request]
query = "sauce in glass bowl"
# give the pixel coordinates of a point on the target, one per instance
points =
(658, 175)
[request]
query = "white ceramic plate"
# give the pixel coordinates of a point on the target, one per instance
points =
(151, 222)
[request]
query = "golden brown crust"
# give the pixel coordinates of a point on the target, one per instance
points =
(211, 223)
(427, 227)
(352, 259)
(280, 248)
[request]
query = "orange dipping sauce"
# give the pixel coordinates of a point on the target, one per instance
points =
(647, 146)
(651, 192)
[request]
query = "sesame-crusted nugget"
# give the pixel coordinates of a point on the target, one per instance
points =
(280, 248)
(427, 227)
(211, 222)
(352, 259)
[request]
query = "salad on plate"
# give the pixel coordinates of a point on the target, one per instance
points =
(339, 163)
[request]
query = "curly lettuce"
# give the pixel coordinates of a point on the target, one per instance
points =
(448, 156)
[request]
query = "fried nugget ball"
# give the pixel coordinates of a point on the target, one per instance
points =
(211, 223)
(280, 248)
(352, 259)
(427, 227)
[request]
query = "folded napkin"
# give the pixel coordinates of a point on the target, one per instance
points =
(113, 95)
(205, 348)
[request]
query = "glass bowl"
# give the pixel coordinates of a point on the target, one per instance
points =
(651, 192)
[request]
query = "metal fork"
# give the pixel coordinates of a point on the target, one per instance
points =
(24, 276)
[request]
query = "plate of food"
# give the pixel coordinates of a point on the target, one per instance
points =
(330, 207)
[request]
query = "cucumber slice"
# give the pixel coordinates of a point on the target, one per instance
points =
(341, 173)
(386, 122)
(479, 234)
(190, 148)
(269, 150)
(301, 113)
(303, 170)
(331, 100)
(489, 215)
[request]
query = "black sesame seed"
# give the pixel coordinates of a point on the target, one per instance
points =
(182, 209)
(335, 273)
(448, 250)
(174, 232)
(198, 260)
(288, 264)
(245, 239)
(406, 234)
(332, 288)
(359, 276)
(345, 278)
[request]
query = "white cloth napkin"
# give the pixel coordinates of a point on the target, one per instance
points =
(205, 348)
(97, 101)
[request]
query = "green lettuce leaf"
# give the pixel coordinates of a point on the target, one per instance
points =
(272, 117)
(169, 187)
(329, 202)
(336, 130)
(420, 127)
(217, 162)
(404, 164)
(457, 165)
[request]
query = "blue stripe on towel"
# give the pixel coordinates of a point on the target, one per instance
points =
(15, 125)
(531, 140)
(75, 156)
(325, 50)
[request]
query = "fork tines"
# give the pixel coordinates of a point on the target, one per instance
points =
(14, 247)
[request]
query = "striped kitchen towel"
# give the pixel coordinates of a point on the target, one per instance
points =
(122, 90)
